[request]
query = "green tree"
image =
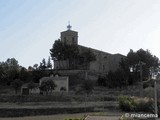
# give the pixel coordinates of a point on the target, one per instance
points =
(87, 86)
(116, 79)
(16, 84)
(43, 65)
(23, 74)
(87, 56)
(2, 72)
(47, 86)
(57, 51)
(102, 81)
(131, 62)
(72, 54)
(49, 64)
(35, 66)
(61, 51)
(9, 70)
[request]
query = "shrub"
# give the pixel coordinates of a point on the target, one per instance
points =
(101, 81)
(47, 86)
(62, 89)
(126, 103)
(134, 104)
(87, 86)
(145, 105)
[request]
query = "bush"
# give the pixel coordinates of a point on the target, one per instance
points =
(101, 81)
(126, 103)
(116, 79)
(134, 104)
(145, 105)
(87, 86)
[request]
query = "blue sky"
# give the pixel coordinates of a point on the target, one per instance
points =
(28, 28)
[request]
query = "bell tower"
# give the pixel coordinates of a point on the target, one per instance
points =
(69, 37)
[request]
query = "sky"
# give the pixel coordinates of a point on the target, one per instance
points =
(28, 28)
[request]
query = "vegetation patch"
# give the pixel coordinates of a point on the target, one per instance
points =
(33, 98)
(134, 104)
(5, 112)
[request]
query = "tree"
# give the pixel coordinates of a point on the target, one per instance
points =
(16, 84)
(35, 66)
(37, 74)
(9, 70)
(43, 65)
(88, 56)
(87, 86)
(2, 72)
(47, 86)
(49, 64)
(61, 52)
(116, 79)
(30, 68)
(132, 62)
(57, 51)
(72, 54)
(23, 74)
(102, 81)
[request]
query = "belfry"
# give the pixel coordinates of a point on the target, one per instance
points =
(69, 37)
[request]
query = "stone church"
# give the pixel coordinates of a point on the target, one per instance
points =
(104, 62)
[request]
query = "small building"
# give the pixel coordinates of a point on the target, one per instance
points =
(62, 83)
(26, 91)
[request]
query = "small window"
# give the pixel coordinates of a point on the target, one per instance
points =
(64, 38)
(103, 68)
(72, 39)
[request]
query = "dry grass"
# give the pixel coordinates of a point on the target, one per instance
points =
(63, 116)
(57, 104)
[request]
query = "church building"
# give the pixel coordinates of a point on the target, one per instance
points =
(103, 63)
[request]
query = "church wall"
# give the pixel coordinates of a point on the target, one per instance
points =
(101, 64)
(114, 61)
(105, 62)
(61, 83)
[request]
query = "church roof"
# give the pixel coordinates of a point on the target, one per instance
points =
(103, 52)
